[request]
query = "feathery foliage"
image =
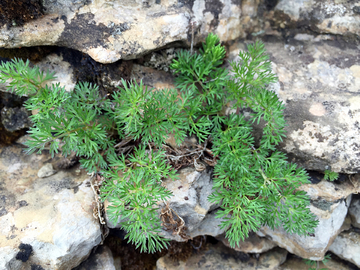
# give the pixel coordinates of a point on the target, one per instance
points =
(254, 184)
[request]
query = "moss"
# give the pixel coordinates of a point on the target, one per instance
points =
(18, 12)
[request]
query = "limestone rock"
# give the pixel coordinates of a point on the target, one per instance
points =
(51, 216)
(333, 17)
(189, 201)
(330, 212)
(347, 246)
(252, 244)
(110, 30)
(354, 211)
(219, 257)
(100, 260)
(319, 85)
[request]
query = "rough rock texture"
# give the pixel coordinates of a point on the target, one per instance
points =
(332, 16)
(330, 207)
(319, 84)
(347, 246)
(189, 201)
(219, 257)
(112, 30)
(294, 262)
(102, 259)
(354, 211)
(45, 222)
(252, 244)
(15, 118)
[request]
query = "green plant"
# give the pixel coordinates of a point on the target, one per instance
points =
(314, 265)
(330, 175)
(123, 137)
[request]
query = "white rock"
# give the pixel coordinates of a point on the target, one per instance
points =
(53, 215)
(46, 170)
(347, 246)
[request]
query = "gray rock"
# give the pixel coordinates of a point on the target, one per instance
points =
(331, 217)
(354, 211)
(333, 17)
(15, 118)
(294, 262)
(100, 260)
(110, 30)
(319, 85)
(216, 257)
(46, 170)
(189, 201)
(347, 247)
(53, 215)
(252, 244)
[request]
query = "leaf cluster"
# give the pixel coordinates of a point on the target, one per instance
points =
(254, 184)
(330, 175)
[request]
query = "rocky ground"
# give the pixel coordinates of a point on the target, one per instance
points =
(47, 205)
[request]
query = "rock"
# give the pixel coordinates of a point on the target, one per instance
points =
(354, 211)
(189, 201)
(329, 191)
(15, 118)
(111, 30)
(52, 217)
(346, 246)
(252, 244)
(216, 257)
(46, 171)
(64, 72)
(100, 260)
(330, 202)
(331, 215)
(294, 262)
(319, 85)
(333, 17)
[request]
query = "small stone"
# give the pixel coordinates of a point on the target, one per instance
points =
(46, 170)
(356, 9)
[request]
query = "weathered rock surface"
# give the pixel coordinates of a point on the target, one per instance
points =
(333, 17)
(293, 262)
(330, 209)
(347, 246)
(319, 84)
(112, 30)
(354, 211)
(15, 118)
(217, 257)
(44, 222)
(252, 244)
(189, 201)
(102, 259)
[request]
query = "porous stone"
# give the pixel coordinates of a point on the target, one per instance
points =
(44, 222)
